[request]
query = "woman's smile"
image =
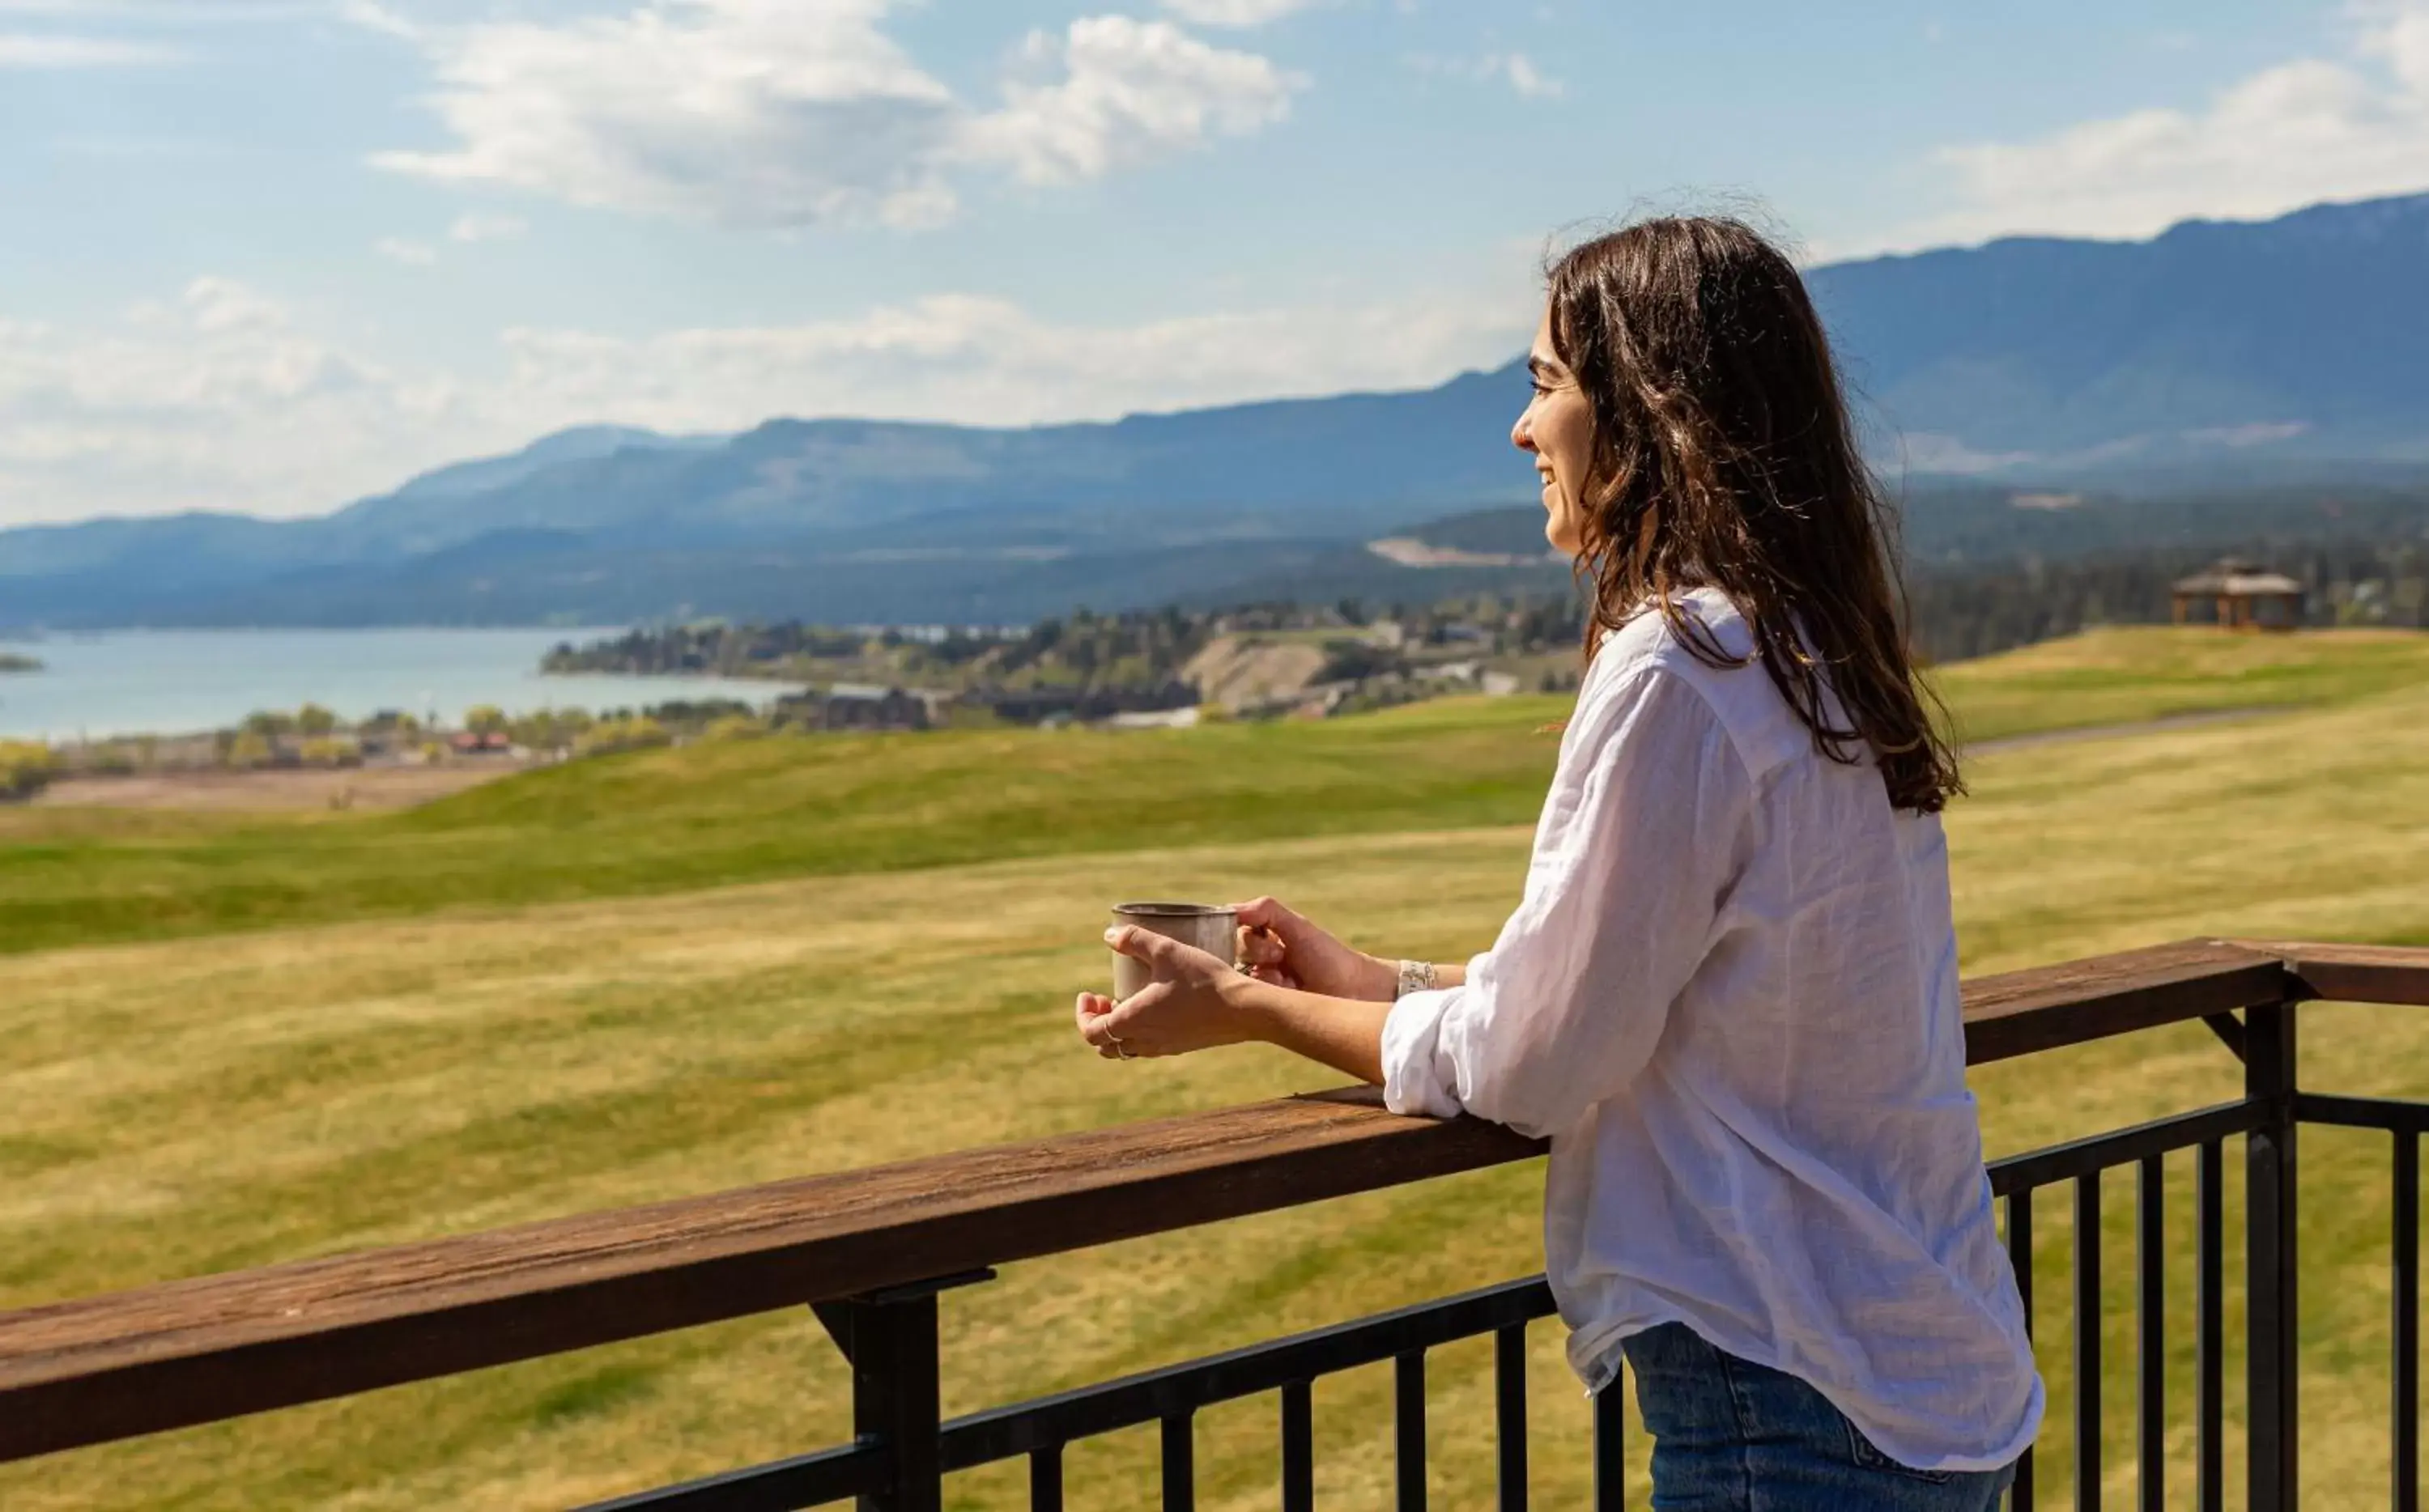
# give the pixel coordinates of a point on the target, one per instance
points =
(1557, 430)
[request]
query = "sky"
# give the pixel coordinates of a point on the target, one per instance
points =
(272, 255)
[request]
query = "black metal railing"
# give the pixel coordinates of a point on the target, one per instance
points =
(901, 1459)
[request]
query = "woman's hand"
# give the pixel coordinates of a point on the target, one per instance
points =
(1195, 1002)
(1282, 948)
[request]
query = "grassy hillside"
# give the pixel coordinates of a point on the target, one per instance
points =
(177, 1107)
(707, 815)
(2122, 675)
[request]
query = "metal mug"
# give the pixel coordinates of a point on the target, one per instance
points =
(1208, 927)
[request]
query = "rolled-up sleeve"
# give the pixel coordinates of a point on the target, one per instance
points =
(1642, 835)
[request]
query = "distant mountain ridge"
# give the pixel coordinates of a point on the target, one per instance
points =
(2213, 352)
(2301, 335)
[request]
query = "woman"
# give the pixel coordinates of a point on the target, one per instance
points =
(1729, 994)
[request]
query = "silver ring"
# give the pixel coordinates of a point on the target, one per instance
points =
(1122, 1052)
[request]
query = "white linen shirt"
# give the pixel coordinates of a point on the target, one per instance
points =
(1729, 997)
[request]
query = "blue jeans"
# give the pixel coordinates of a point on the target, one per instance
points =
(1732, 1436)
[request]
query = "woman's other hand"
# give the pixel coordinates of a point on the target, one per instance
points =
(1194, 1003)
(1282, 948)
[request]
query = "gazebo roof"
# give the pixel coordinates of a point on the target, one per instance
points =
(2238, 579)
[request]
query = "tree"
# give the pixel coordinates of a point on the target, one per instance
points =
(25, 768)
(249, 749)
(485, 719)
(633, 734)
(313, 721)
(328, 751)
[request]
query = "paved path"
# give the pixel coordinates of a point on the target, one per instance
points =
(2138, 727)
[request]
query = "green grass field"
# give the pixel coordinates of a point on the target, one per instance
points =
(715, 814)
(531, 1000)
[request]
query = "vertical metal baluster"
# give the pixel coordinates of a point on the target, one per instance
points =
(1299, 1447)
(2407, 1323)
(1409, 1428)
(890, 1339)
(2270, 1259)
(2087, 1343)
(1046, 1479)
(2150, 1355)
(2211, 1368)
(1180, 1463)
(2020, 1259)
(1510, 1413)
(1609, 1441)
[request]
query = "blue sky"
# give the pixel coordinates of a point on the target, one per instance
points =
(273, 254)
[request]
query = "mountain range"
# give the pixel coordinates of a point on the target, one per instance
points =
(2215, 355)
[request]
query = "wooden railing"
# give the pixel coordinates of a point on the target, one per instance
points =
(216, 1347)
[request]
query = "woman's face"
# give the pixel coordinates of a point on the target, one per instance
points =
(1557, 430)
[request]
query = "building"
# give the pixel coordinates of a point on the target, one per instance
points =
(1183, 719)
(2234, 594)
(865, 707)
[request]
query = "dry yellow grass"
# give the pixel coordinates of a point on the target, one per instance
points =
(226, 1101)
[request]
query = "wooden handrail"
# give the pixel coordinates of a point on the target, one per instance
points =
(214, 1347)
(2349, 972)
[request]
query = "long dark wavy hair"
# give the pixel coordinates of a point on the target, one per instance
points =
(1723, 457)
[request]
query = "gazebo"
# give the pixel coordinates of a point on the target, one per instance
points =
(2234, 594)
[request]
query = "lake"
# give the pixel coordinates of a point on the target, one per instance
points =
(176, 681)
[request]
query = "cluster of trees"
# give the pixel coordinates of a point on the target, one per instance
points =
(715, 647)
(1084, 650)
(1959, 613)
(25, 768)
(1139, 648)
(308, 736)
(18, 662)
(312, 736)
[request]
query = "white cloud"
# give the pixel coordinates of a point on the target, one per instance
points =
(1234, 12)
(471, 227)
(1528, 80)
(411, 253)
(224, 399)
(169, 12)
(1130, 92)
(1517, 70)
(46, 50)
(770, 112)
(804, 112)
(2303, 131)
(372, 16)
(213, 399)
(975, 359)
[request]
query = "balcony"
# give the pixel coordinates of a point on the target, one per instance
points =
(876, 1255)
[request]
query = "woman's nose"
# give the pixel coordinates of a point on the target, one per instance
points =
(1522, 437)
